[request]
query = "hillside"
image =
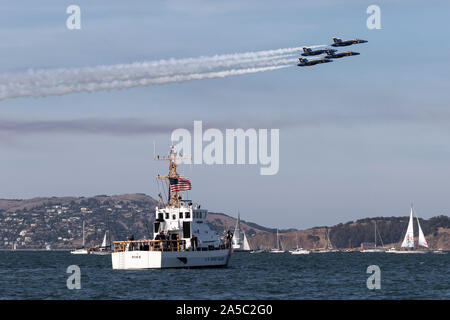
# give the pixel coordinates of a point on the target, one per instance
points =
(33, 223)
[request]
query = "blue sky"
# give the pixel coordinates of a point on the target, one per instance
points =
(363, 136)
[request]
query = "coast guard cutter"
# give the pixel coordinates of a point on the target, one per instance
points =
(181, 236)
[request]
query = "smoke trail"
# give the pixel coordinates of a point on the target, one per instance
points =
(41, 83)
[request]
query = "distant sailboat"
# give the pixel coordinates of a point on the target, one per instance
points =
(375, 249)
(82, 250)
(237, 244)
(277, 249)
(408, 241)
(246, 246)
(299, 250)
(329, 246)
(103, 249)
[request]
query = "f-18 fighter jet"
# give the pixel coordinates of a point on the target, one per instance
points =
(309, 52)
(339, 43)
(332, 54)
(305, 62)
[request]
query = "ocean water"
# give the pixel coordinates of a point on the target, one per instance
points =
(42, 275)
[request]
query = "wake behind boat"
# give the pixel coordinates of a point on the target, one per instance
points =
(182, 238)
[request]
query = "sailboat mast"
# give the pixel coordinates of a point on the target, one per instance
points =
(375, 234)
(83, 234)
(278, 241)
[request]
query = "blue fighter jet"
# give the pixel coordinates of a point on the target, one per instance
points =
(333, 54)
(305, 62)
(339, 43)
(308, 52)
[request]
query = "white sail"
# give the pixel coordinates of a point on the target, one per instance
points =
(104, 241)
(236, 237)
(408, 241)
(422, 240)
(246, 245)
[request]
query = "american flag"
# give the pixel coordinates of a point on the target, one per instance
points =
(179, 185)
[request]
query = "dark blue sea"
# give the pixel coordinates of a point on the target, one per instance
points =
(42, 275)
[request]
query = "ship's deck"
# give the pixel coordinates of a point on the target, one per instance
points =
(149, 245)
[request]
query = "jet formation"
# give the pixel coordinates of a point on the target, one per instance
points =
(329, 53)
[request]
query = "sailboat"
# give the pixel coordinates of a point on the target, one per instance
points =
(408, 241)
(329, 247)
(299, 250)
(103, 249)
(236, 242)
(277, 249)
(375, 249)
(82, 250)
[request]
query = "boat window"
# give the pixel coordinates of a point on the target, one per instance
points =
(167, 215)
(188, 215)
(186, 229)
(181, 215)
(174, 216)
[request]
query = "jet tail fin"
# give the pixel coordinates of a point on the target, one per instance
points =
(337, 40)
(302, 60)
(306, 49)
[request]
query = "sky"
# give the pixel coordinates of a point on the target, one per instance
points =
(363, 136)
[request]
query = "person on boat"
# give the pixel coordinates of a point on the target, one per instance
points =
(229, 238)
(194, 243)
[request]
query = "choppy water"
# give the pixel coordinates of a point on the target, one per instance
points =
(42, 275)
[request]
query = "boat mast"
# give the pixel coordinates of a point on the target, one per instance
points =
(278, 241)
(83, 233)
(173, 199)
(237, 230)
(375, 233)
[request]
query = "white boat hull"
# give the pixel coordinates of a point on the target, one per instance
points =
(101, 253)
(276, 251)
(406, 251)
(127, 260)
(300, 252)
(79, 251)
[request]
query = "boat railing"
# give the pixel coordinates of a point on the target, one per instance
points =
(149, 245)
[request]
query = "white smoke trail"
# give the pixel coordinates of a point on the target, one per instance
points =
(126, 84)
(41, 83)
